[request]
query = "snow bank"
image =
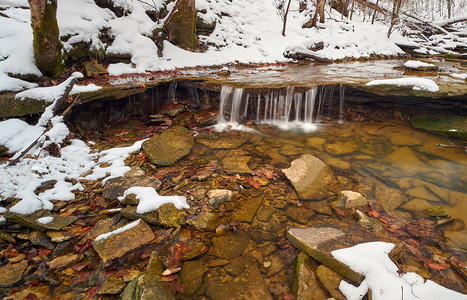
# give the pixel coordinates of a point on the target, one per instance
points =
(150, 200)
(372, 261)
(415, 64)
(418, 84)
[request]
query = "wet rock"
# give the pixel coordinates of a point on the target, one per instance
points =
(306, 284)
(310, 177)
(388, 197)
(219, 196)
(277, 264)
(315, 242)
(321, 207)
(350, 199)
(340, 148)
(290, 150)
(230, 245)
(454, 225)
(316, 142)
(29, 221)
(170, 216)
(369, 222)
(155, 265)
(12, 273)
(191, 276)
(330, 280)
(336, 163)
(405, 159)
(120, 242)
(225, 141)
(421, 192)
(169, 146)
(130, 213)
(147, 286)
(112, 286)
(450, 125)
(37, 292)
(436, 211)
(405, 139)
(60, 222)
(62, 236)
(236, 165)
(206, 117)
(248, 285)
(41, 239)
(417, 205)
(450, 196)
(248, 209)
(201, 176)
(264, 213)
(299, 214)
(64, 261)
(456, 239)
(197, 248)
(7, 237)
(173, 109)
(205, 220)
(115, 187)
(238, 265)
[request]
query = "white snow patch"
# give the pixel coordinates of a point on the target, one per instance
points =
(2, 210)
(82, 89)
(415, 64)
(417, 83)
(372, 261)
(45, 220)
(48, 94)
(150, 200)
(117, 231)
(459, 76)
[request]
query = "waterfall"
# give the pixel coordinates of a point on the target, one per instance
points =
(289, 111)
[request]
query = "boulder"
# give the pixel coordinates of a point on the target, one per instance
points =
(169, 146)
(310, 177)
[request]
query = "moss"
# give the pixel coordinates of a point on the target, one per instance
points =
(449, 125)
(454, 56)
(83, 50)
(182, 27)
(47, 46)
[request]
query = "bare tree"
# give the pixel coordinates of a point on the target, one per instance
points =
(395, 14)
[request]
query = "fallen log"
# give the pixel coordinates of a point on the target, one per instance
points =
(452, 21)
(302, 53)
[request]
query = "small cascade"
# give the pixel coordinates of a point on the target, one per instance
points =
(172, 90)
(289, 111)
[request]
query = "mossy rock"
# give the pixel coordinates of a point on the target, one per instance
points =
(449, 125)
(82, 50)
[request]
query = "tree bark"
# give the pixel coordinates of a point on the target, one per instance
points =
(182, 25)
(374, 13)
(47, 45)
(285, 18)
(320, 11)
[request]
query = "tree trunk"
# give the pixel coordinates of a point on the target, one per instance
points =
(320, 11)
(182, 27)
(374, 14)
(47, 45)
(449, 8)
(395, 13)
(285, 18)
(351, 10)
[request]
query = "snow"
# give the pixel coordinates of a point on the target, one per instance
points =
(82, 89)
(45, 220)
(459, 76)
(48, 94)
(418, 84)
(150, 200)
(381, 276)
(117, 231)
(415, 64)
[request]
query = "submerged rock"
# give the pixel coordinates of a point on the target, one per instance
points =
(169, 146)
(450, 125)
(230, 245)
(236, 165)
(205, 220)
(300, 214)
(191, 276)
(112, 286)
(306, 284)
(340, 148)
(350, 199)
(310, 177)
(170, 216)
(248, 209)
(121, 241)
(63, 261)
(12, 273)
(225, 141)
(330, 281)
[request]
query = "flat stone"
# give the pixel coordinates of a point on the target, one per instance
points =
(191, 276)
(29, 221)
(173, 109)
(205, 220)
(238, 265)
(119, 244)
(417, 205)
(12, 273)
(115, 187)
(453, 225)
(93, 68)
(248, 210)
(321, 207)
(350, 199)
(225, 141)
(112, 286)
(41, 239)
(62, 236)
(197, 248)
(219, 196)
(169, 146)
(330, 281)
(421, 192)
(306, 284)
(277, 264)
(64, 261)
(458, 238)
(300, 214)
(130, 213)
(206, 117)
(290, 150)
(310, 177)
(405, 139)
(170, 216)
(248, 285)
(236, 165)
(405, 159)
(230, 245)
(318, 242)
(340, 148)
(389, 198)
(264, 213)
(316, 142)
(60, 222)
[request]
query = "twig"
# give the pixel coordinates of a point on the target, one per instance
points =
(169, 17)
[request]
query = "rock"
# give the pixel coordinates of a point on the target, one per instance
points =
(316, 142)
(350, 199)
(299, 214)
(248, 285)
(369, 222)
(41, 239)
(405, 139)
(130, 213)
(224, 141)
(238, 265)
(93, 68)
(29, 221)
(169, 146)
(290, 150)
(38, 292)
(147, 286)
(421, 192)
(417, 205)
(115, 187)
(121, 242)
(201, 176)
(206, 117)
(230, 245)
(63, 261)
(112, 286)
(236, 165)
(191, 276)
(457, 239)
(330, 281)
(310, 177)
(197, 248)
(219, 196)
(321, 207)
(277, 264)
(7, 237)
(205, 220)
(12, 273)
(62, 236)
(170, 216)
(405, 159)
(155, 265)
(340, 148)
(306, 284)
(264, 213)
(336, 163)
(454, 225)
(450, 196)
(173, 109)
(248, 209)
(436, 211)
(450, 125)
(388, 197)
